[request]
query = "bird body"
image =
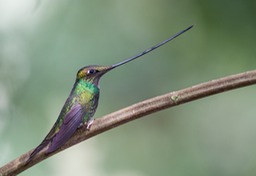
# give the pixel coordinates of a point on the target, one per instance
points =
(82, 103)
(78, 109)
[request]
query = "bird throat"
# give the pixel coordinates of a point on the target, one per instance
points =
(84, 86)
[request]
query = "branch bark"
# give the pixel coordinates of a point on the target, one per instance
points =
(136, 111)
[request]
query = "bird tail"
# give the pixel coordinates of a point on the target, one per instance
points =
(38, 149)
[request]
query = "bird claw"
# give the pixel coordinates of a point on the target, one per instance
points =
(89, 124)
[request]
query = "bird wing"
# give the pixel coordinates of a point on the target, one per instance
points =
(71, 122)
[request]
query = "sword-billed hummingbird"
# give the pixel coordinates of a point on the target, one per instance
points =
(82, 102)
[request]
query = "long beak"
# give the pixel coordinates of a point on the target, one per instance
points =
(150, 49)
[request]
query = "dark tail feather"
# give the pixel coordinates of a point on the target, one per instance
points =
(38, 149)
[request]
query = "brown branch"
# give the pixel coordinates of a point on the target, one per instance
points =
(136, 111)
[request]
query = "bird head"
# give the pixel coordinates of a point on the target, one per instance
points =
(92, 73)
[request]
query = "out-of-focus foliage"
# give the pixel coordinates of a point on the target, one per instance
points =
(44, 43)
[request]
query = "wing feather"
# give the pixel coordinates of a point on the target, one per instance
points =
(71, 122)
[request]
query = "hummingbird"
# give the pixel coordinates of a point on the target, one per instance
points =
(82, 102)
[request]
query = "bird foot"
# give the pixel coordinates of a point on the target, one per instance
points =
(89, 124)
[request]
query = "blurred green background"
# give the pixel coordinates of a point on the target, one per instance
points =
(44, 43)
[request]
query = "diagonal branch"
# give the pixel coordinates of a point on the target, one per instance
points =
(136, 111)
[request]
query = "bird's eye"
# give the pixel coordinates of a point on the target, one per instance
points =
(91, 71)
